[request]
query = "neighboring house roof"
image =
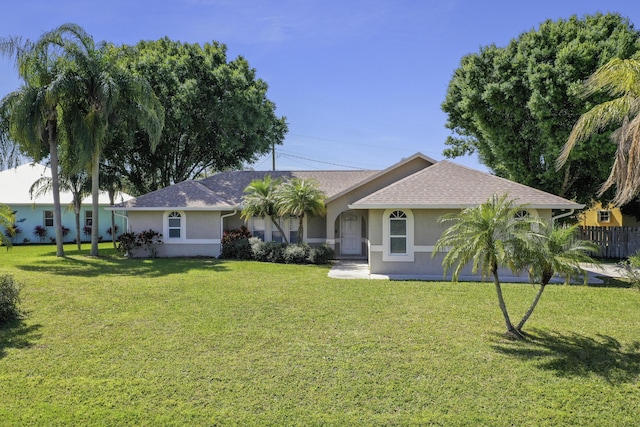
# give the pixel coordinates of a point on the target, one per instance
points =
(449, 185)
(16, 182)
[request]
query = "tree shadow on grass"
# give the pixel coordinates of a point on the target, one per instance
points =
(85, 266)
(579, 355)
(16, 334)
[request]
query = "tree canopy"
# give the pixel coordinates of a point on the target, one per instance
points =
(217, 115)
(516, 105)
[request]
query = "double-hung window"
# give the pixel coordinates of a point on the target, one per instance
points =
(174, 225)
(398, 232)
(258, 228)
(48, 218)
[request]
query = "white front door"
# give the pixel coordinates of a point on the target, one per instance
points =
(351, 234)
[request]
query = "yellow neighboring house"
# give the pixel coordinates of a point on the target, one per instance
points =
(597, 216)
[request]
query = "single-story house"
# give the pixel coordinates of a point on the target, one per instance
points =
(38, 211)
(388, 217)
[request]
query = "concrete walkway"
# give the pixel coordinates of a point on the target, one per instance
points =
(359, 269)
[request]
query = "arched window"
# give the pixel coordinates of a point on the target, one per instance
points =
(174, 225)
(398, 232)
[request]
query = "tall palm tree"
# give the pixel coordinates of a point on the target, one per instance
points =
(6, 220)
(489, 236)
(32, 110)
(78, 184)
(299, 197)
(620, 79)
(102, 91)
(557, 251)
(258, 200)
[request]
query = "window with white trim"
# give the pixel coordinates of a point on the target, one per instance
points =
(48, 218)
(398, 232)
(293, 230)
(397, 236)
(258, 227)
(604, 216)
(174, 225)
(88, 218)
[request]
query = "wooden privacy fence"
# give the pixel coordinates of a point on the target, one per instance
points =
(614, 242)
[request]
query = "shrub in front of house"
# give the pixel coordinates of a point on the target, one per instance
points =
(126, 242)
(237, 249)
(296, 254)
(41, 232)
(321, 255)
(235, 244)
(149, 240)
(9, 299)
(290, 253)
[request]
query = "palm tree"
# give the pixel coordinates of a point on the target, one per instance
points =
(102, 91)
(112, 183)
(558, 251)
(6, 220)
(259, 201)
(299, 197)
(32, 110)
(489, 236)
(619, 78)
(78, 184)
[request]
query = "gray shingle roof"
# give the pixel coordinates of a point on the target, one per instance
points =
(446, 185)
(224, 190)
(186, 194)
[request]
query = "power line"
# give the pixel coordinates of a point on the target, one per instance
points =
(319, 161)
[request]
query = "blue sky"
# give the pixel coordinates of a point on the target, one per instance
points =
(360, 81)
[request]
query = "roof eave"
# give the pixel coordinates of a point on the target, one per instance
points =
(454, 206)
(172, 208)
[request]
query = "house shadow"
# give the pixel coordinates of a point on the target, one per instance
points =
(16, 334)
(577, 355)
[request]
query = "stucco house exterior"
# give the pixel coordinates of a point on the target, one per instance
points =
(388, 217)
(31, 212)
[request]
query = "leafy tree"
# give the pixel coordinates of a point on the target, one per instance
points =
(7, 218)
(299, 197)
(620, 79)
(558, 251)
(515, 106)
(100, 93)
(31, 112)
(489, 236)
(217, 115)
(259, 200)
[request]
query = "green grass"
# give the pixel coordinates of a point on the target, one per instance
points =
(113, 341)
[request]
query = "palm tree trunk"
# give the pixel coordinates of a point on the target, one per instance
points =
(78, 236)
(95, 194)
(301, 230)
(533, 306)
(277, 224)
(112, 198)
(511, 331)
(55, 183)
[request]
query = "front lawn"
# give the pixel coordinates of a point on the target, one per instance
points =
(113, 341)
